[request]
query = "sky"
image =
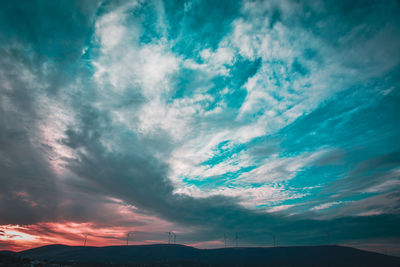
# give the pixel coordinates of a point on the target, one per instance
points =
(257, 118)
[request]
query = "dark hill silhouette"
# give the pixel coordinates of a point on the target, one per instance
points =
(188, 256)
(6, 252)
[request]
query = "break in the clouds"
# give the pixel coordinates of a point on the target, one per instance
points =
(203, 117)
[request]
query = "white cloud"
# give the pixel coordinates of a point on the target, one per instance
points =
(248, 196)
(371, 213)
(280, 208)
(277, 168)
(56, 116)
(214, 63)
(390, 181)
(110, 27)
(326, 205)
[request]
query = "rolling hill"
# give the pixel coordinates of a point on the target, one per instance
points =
(172, 255)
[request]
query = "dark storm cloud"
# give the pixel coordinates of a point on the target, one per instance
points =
(368, 175)
(27, 184)
(54, 29)
(54, 33)
(35, 54)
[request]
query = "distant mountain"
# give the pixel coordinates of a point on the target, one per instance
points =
(179, 255)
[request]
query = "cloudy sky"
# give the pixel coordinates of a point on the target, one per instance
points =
(261, 118)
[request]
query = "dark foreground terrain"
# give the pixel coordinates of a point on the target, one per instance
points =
(179, 255)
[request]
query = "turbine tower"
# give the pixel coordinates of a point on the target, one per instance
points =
(127, 237)
(236, 239)
(169, 236)
(274, 239)
(225, 239)
(329, 237)
(84, 241)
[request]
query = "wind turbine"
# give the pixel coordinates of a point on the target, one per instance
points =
(84, 241)
(236, 239)
(169, 236)
(274, 239)
(225, 239)
(329, 237)
(127, 237)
